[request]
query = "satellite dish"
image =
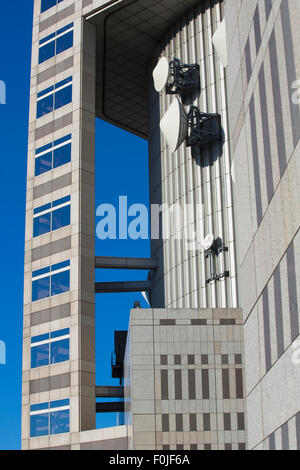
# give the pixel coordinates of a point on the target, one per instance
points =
(161, 74)
(174, 125)
(208, 242)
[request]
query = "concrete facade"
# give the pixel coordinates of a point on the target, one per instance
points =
(184, 380)
(264, 63)
(245, 191)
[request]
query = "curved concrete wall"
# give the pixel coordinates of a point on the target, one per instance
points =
(205, 181)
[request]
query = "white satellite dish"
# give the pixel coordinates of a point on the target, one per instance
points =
(161, 74)
(174, 125)
(208, 241)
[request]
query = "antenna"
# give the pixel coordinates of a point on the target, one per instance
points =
(161, 74)
(174, 125)
(208, 242)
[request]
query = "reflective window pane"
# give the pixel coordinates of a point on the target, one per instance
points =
(46, 4)
(46, 52)
(60, 422)
(39, 425)
(61, 217)
(60, 283)
(60, 351)
(63, 97)
(62, 155)
(43, 164)
(42, 224)
(40, 289)
(40, 356)
(64, 42)
(45, 106)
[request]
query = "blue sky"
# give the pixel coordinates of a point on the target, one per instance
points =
(122, 169)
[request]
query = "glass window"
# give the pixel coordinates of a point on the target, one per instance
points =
(46, 4)
(59, 422)
(40, 355)
(52, 216)
(64, 42)
(63, 97)
(53, 155)
(40, 288)
(56, 43)
(51, 281)
(50, 349)
(60, 283)
(50, 418)
(46, 52)
(45, 106)
(43, 163)
(62, 155)
(54, 97)
(39, 425)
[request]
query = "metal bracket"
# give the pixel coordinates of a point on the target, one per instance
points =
(185, 78)
(205, 128)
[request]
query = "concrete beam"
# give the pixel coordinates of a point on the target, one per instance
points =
(113, 407)
(103, 391)
(129, 286)
(103, 262)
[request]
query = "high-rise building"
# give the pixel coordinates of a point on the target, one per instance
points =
(214, 364)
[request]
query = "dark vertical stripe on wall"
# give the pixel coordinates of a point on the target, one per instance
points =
(239, 383)
(193, 422)
(205, 384)
(268, 5)
(257, 30)
(281, 148)
(206, 422)
(192, 384)
(266, 133)
(255, 161)
(225, 383)
(298, 430)
(285, 436)
(290, 67)
(178, 385)
(248, 60)
(267, 334)
(165, 423)
(179, 422)
(272, 442)
(293, 294)
(164, 385)
(278, 312)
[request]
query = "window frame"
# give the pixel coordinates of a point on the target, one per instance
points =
(50, 209)
(47, 410)
(56, 2)
(48, 96)
(50, 339)
(51, 148)
(48, 273)
(52, 40)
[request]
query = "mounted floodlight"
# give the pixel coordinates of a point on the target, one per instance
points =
(176, 77)
(204, 128)
(174, 125)
(161, 74)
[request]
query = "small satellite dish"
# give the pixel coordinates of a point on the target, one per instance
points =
(161, 74)
(174, 125)
(208, 241)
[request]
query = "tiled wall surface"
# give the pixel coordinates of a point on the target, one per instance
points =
(74, 379)
(184, 383)
(264, 63)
